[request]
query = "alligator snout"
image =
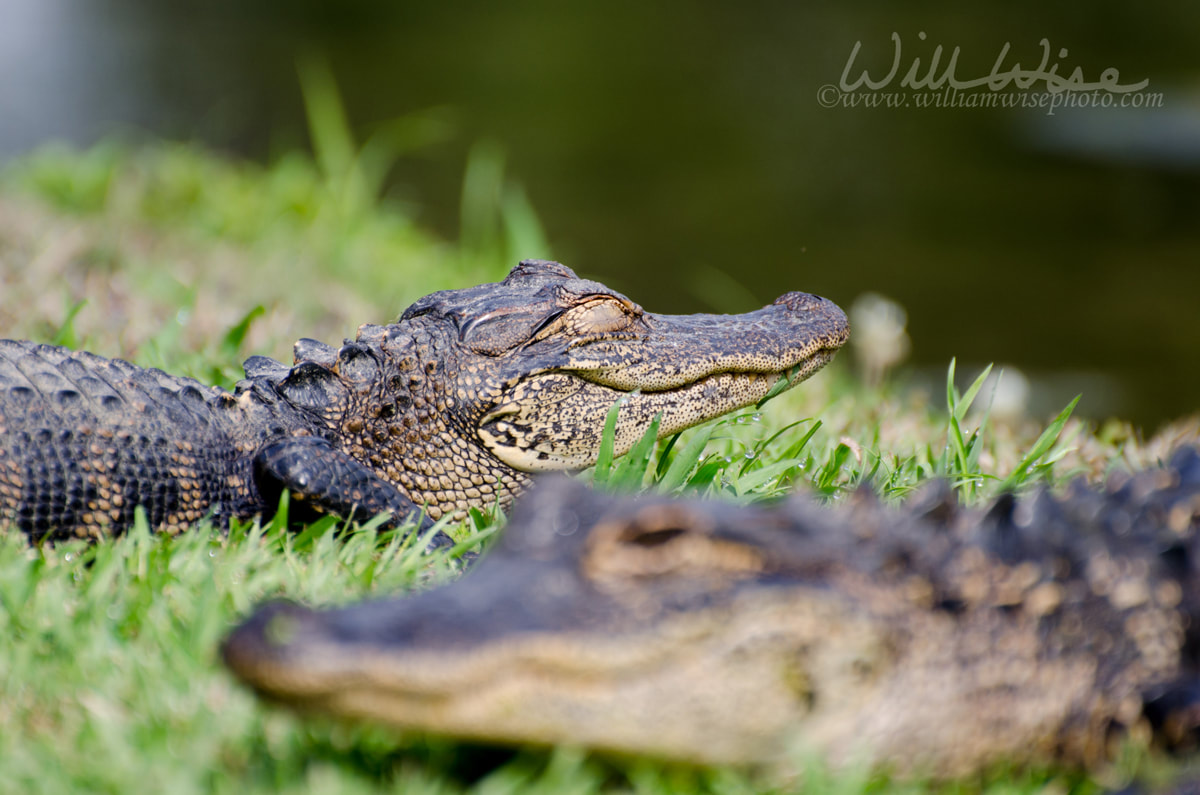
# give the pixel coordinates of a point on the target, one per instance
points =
(814, 308)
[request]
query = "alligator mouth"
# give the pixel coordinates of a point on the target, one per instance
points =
(712, 395)
(543, 686)
(776, 381)
(289, 652)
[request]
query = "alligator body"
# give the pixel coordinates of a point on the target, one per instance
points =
(451, 407)
(934, 639)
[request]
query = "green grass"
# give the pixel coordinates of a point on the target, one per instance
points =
(183, 259)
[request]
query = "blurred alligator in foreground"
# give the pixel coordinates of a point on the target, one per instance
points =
(934, 639)
(451, 407)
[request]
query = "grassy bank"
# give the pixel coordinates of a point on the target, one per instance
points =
(178, 258)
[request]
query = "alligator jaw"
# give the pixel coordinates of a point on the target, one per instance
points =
(689, 369)
(579, 682)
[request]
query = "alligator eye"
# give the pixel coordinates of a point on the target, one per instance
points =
(658, 537)
(597, 317)
(668, 542)
(548, 326)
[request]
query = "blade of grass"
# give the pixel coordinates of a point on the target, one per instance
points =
(631, 471)
(961, 473)
(964, 404)
(664, 456)
(706, 475)
(231, 343)
(332, 140)
(826, 478)
(795, 450)
(951, 390)
(604, 456)
(784, 381)
(66, 335)
(1039, 449)
(689, 456)
(771, 439)
(759, 477)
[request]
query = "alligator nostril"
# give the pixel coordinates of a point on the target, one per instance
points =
(800, 302)
(824, 316)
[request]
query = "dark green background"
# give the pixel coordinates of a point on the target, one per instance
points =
(670, 146)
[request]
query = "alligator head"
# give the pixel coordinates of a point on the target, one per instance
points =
(935, 639)
(472, 389)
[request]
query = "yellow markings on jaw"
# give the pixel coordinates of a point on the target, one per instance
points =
(554, 421)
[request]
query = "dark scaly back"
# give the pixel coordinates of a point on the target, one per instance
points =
(1108, 577)
(400, 400)
(85, 439)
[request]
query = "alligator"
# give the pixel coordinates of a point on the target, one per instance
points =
(451, 407)
(934, 639)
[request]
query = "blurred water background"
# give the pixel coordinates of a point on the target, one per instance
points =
(679, 152)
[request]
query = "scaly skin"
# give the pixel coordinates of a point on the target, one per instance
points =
(449, 408)
(935, 639)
